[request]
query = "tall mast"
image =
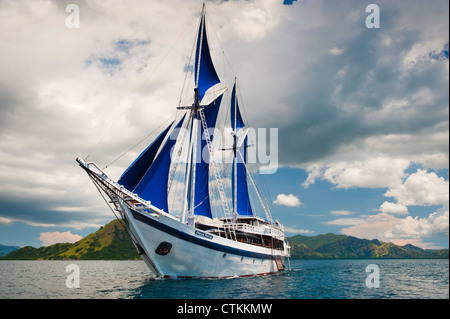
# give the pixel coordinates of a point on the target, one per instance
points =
(188, 174)
(189, 191)
(197, 199)
(195, 110)
(199, 47)
(205, 76)
(234, 181)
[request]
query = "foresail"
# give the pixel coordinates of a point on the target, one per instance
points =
(201, 198)
(134, 173)
(153, 185)
(205, 73)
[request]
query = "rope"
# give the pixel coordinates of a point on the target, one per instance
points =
(142, 140)
(192, 209)
(121, 220)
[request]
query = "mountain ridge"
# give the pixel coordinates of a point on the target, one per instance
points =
(5, 250)
(112, 242)
(331, 246)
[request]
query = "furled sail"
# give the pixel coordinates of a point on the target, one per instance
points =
(205, 73)
(201, 197)
(239, 171)
(153, 185)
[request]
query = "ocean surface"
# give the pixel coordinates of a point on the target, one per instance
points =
(307, 279)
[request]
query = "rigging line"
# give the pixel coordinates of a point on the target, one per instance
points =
(106, 201)
(220, 44)
(268, 215)
(142, 140)
(121, 220)
(239, 91)
(186, 73)
(202, 25)
(166, 139)
(176, 161)
(262, 179)
(133, 98)
(192, 209)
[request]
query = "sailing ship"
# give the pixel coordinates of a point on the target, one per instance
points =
(210, 236)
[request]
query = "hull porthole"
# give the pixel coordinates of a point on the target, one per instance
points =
(163, 248)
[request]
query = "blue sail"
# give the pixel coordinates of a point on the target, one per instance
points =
(239, 178)
(243, 206)
(205, 73)
(153, 185)
(236, 119)
(201, 191)
(134, 173)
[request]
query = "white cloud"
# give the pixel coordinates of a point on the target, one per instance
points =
(435, 224)
(298, 231)
(287, 200)
(314, 172)
(336, 51)
(51, 238)
(376, 172)
(421, 188)
(341, 212)
(394, 208)
(389, 228)
(5, 221)
(346, 221)
(372, 226)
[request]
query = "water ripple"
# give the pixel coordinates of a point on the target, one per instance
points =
(308, 279)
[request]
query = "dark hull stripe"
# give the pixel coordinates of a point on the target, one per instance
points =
(198, 241)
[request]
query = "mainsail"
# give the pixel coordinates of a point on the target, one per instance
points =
(201, 197)
(241, 198)
(205, 73)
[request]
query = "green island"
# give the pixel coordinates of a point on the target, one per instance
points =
(112, 242)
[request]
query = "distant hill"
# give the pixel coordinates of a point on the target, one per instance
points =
(5, 250)
(110, 242)
(331, 246)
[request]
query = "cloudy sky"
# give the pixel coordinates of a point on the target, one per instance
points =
(362, 113)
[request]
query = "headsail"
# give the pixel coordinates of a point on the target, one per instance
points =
(241, 198)
(205, 73)
(153, 185)
(134, 173)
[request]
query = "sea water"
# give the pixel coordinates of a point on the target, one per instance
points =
(307, 279)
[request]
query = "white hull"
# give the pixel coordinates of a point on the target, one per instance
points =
(197, 254)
